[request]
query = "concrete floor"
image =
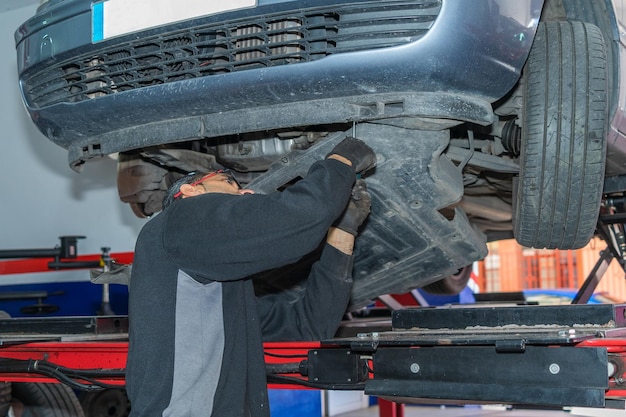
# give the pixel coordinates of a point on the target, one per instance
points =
(486, 411)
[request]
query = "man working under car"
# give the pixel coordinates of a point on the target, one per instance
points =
(195, 329)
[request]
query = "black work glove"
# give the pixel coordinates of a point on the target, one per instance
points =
(357, 211)
(355, 150)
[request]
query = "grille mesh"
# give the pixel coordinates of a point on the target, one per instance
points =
(279, 39)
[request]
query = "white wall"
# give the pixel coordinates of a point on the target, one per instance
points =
(41, 198)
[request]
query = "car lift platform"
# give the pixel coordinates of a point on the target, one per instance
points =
(566, 355)
(573, 355)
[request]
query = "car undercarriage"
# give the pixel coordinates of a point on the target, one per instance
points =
(490, 120)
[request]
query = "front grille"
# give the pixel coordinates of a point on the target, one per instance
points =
(204, 50)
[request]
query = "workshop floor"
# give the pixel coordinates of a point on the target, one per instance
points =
(434, 411)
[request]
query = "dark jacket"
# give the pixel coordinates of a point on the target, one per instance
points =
(195, 334)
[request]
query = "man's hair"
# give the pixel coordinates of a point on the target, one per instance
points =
(175, 187)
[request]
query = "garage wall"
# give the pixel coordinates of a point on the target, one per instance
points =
(41, 198)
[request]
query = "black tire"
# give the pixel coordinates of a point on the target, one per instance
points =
(564, 127)
(106, 403)
(5, 398)
(451, 285)
(45, 400)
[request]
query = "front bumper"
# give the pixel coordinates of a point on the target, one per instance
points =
(430, 59)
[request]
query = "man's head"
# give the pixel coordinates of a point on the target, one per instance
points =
(194, 184)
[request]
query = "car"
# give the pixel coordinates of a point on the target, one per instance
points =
(543, 296)
(490, 119)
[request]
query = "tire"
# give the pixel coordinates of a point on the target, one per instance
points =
(45, 400)
(451, 285)
(563, 144)
(5, 398)
(106, 403)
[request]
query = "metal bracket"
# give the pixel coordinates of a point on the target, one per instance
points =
(593, 279)
(546, 375)
(337, 366)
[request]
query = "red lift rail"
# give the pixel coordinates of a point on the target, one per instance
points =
(572, 364)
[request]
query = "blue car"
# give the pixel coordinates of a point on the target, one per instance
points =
(543, 296)
(491, 119)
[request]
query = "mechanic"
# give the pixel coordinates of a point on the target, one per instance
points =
(195, 345)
